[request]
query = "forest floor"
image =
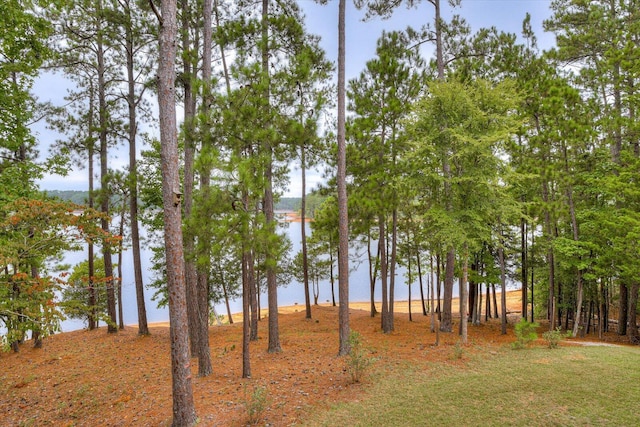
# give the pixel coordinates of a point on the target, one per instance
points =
(91, 378)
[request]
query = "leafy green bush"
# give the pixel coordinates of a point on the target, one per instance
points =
(554, 337)
(525, 334)
(357, 361)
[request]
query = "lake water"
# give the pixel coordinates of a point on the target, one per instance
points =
(291, 294)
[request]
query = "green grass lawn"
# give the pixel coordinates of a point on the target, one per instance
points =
(585, 386)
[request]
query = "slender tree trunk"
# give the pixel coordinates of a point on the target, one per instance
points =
(253, 295)
(446, 325)
(439, 286)
(487, 308)
(272, 286)
(523, 265)
(93, 314)
(532, 272)
(424, 308)
(373, 273)
(602, 312)
(551, 309)
(633, 312)
(184, 413)
(463, 295)
(202, 286)
(433, 306)
(191, 277)
(120, 244)
(303, 230)
(503, 283)
(143, 328)
(332, 278)
(104, 179)
(226, 302)
(392, 269)
(479, 314)
(385, 323)
(246, 308)
(409, 285)
(623, 311)
(343, 218)
(576, 238)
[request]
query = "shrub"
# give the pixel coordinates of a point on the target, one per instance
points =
(458, 350)
(255, 404)
(525, 334)
(554, 337)
(357, 361)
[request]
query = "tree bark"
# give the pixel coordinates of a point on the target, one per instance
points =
(246, 321)
(633, 312)
(93, 314)
(446, 323)
(272, 286)
(623, 312)
(202, 288)
(503, 283)
(385, 322)
(343, 218)
(184, 413)
(392, 269)
(143, 328)
(463, 296)
(523, 265)
(303, 230)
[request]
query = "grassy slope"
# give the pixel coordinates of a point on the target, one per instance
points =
(534, 387)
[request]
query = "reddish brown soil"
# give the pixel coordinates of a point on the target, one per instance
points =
(94, 379)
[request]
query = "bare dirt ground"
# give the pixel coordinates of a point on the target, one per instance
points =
(92, 378)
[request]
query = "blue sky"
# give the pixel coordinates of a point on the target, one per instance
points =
(506, 15)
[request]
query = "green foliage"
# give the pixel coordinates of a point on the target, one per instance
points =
(553, 338)
(33, 232)
(357, 362)
(75, 294)
(525, 334)
(255, 403)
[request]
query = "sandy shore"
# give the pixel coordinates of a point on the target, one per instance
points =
(514, 304)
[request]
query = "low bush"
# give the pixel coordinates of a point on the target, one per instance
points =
(525, 334)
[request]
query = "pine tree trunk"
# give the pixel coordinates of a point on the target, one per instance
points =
(191, 277)
(633, 311)
(623, 311)
(424, 308)
(382, 250)
(303, 230)
(523, 265)
(93, 314)
(463, 296)
(503, 283)
(373, 273)
(392, 269)
(143, 328)
(120, 243)
(446, 324)
(184, 413)
(246, 308)
(104, 179)
(343, 218)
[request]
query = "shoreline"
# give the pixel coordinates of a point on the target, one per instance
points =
(400, 307)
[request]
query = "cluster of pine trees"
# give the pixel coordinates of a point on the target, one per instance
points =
(484, 159)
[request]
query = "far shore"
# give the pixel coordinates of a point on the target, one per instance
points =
(514, 305)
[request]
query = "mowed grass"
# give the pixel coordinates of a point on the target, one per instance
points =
(585, 386)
